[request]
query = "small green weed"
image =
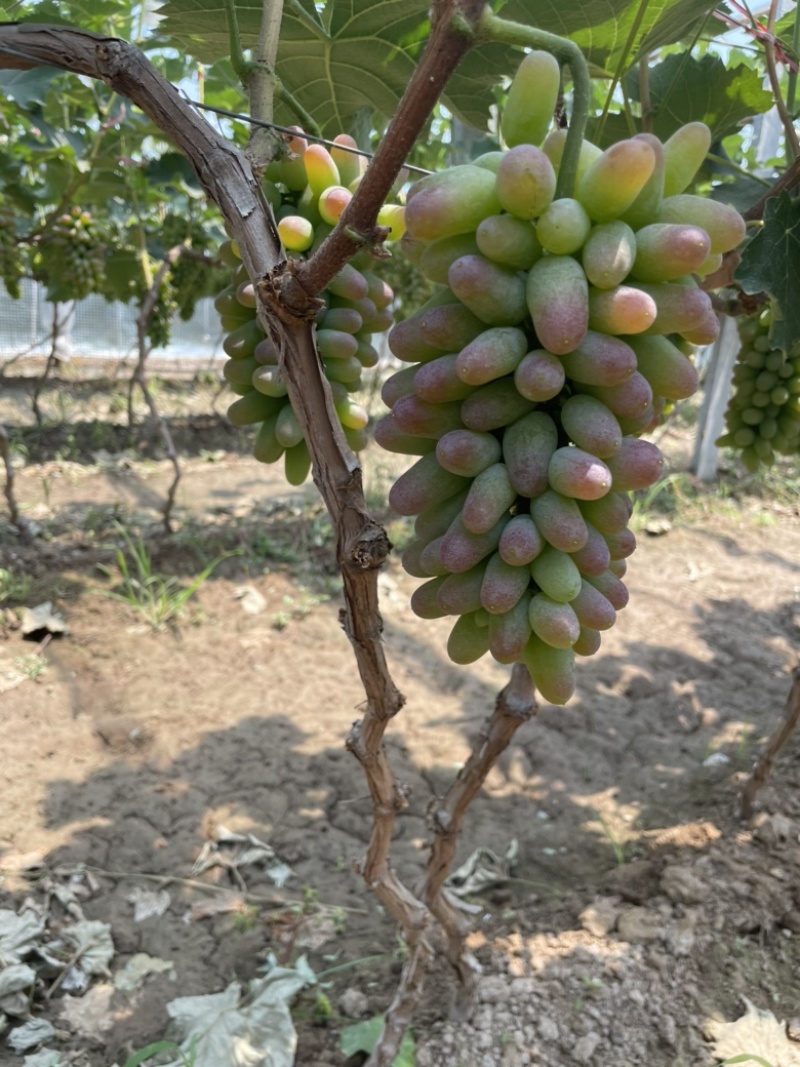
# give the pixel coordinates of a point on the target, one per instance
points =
(32, 666)
(295, 608)
(13, 586)
(617, 845)
(159, 600)
(156, 1049)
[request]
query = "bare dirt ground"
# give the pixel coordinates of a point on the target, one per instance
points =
(639, 910)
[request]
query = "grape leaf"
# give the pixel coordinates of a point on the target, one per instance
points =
(685, 89)
(605, 28)
(363, 1036)
(771, 264)
(358, 53)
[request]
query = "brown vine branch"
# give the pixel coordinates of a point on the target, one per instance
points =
(792, 143)
(139, 377)
(8, 488)
(52, 357)
(448, 44)
(287, 294)
(763, 767)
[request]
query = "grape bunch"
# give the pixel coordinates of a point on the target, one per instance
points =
(73, 256)
(559, 332)
(11, 269)
(308, 191)
(763, 416)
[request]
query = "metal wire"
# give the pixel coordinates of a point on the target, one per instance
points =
(293, 133)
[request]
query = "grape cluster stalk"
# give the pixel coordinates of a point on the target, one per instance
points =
(763, 415)
(560, 331)
(308, 190)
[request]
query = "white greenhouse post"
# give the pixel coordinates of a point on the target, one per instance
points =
(710, 422)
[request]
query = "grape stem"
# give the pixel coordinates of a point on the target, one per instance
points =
(500, 31)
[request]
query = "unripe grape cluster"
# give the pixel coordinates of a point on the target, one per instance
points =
(10, 266)
(557, 336)
(763, 416)
(73, 255)
(308, 191)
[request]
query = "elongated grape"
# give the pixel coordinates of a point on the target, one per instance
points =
(644, 207)
(468, 641)
(389, 436)
(684, 153)
(509, 241)
(591, 425)
(636, 466)
(609, 254)
(423, 484)
(462, 549)
(268, 380)
(349, 164)
(401, 383)
(592, 609)
(411, 558)
(540, 375)
(615, 179)
(240, 371)
(555, 623)
(558, 299)
(628, 400)
(665, 367)
(266, 447)
(439, 256)
(552, 670)
(556, 574)
(460, 593)
(611, 587)
(578, 474)
(438, 381)
(467, 452)
(490, 496)
(621, 310)
(288, 429)
(493, 293)
(621, 545)
(349, 283)
(510, 632)
(424, 601)
(553, 148)
(494, 405)
(528, 446)
(421, 419)
(588, 643)
(503, 585)
(610, 513)
(665, 251)
(594, 556)
(456, 202)
(526, 182)
(724, 225)
(559, 520)
(450, 326)
(678, 307)
(430, 558)
(531, 102)
(241, 343)
(253, 408)
(493, 354)
(563, 227)
(435, 521)
(296, 462)
(520, 543)
(600, 360)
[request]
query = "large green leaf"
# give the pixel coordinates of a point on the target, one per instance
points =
(608, 30)
(771, 264)
(361, 54)
(685, 89)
